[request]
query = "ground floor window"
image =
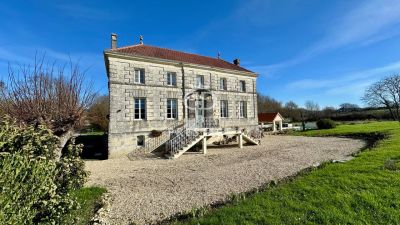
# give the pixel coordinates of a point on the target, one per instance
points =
(224, 108)
(140, 108)
(140, 140)
(172, 109)
(243, 109)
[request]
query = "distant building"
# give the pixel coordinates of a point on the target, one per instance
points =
(273, 120)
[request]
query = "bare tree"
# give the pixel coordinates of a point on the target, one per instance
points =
(385, 93)
(312, 108)
(291, 110)
(268, 104)
(44, 94)
(348, 107)
(99, 111)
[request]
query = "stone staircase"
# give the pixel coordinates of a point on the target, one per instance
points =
(182, 141)
(253, 136)
(156, 142)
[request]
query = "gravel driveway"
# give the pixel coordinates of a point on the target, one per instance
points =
(148, 190)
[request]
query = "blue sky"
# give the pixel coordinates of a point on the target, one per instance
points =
(325, 51)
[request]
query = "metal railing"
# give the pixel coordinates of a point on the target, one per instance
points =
(254, 133)
(181, 139)
(205, 122)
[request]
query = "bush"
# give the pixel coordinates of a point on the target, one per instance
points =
(34, 187)
(326, 124)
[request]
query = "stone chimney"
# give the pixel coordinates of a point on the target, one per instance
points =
(113, 41)
(236, 62)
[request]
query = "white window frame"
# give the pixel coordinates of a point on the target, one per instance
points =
(139, 77)
(140, 106)
(172, 113)
(224, 112)
(242, 109)
(242, 86)
(223, 84)
(201, 83)
(171, 79)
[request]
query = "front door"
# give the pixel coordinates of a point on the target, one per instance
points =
(199, 112)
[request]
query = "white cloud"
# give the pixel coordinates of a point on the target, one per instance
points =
(353, 83)
(370, 22)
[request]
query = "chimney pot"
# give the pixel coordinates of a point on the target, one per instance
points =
(113, 41)
(236, 62)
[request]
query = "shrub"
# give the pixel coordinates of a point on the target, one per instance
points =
(156, 133)
(34, 187)
(326, 124)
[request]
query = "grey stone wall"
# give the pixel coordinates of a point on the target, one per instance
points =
(124, 129)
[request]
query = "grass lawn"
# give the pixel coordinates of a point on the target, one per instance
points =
(361, 191)
(89, 199)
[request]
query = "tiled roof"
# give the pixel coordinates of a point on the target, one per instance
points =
(168, 54)
(267, 117)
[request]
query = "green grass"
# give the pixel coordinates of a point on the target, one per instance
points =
(89, 200)
(361, 191)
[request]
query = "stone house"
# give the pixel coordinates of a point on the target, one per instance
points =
(164, 97)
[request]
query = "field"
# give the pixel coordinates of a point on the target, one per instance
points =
(364, 190)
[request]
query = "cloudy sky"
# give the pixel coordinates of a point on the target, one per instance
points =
(325, 51)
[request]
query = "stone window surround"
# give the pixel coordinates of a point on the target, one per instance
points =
(141, 115)
(242, 86)
(171, 79)
(242, 109)
(200, 81)
(224, 110)
(139, 76)
(141, 140)
(223, 85)
(173, 102)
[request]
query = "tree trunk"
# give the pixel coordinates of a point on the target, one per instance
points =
(63, 140)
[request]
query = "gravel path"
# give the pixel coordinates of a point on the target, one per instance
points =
(148, 190)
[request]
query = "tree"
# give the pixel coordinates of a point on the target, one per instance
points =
(48, 95)
(99, 111)
(328, 112)
(348, 107)
(385, 93)
(291, 110)
(312, 108)
(268, 104)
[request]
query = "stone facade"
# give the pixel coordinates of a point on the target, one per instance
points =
(124, 129)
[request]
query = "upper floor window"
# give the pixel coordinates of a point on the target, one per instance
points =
(243, 109)
(222, 84)
(200, 81)
(242, 86)
(224, 109)
(139, 76)
(140, 108)
(172, 109)
(171, 79)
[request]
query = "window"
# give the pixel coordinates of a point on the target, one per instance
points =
(242, 86)
(139, 76)
(200, 81)
(222, 84)
(243, 109)
(140, 108)
(172, 109)
(171, 79)
(140, 140)
(224, 109)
